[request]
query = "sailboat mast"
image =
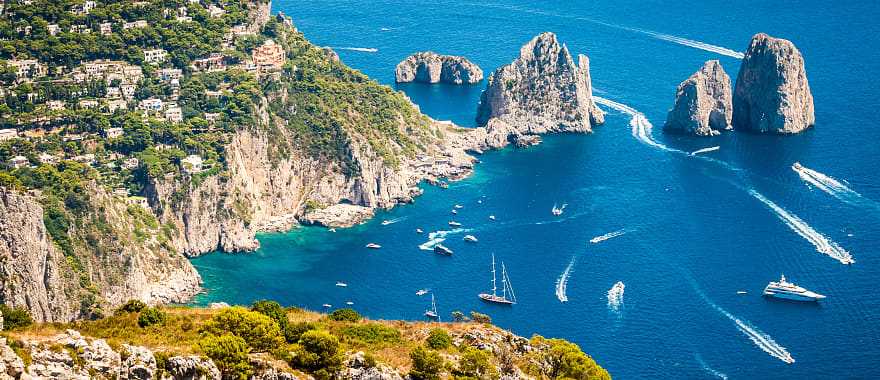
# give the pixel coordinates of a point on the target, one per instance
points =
(494, 288)
(503, 280)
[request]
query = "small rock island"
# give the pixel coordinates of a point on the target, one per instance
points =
(772, 93)
(703, 103)
(541, 91)
(430, 67)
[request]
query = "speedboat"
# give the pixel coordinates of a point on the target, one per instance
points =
(419, 230)
(454, 212)
(386, 222)
(442, 250)
(790, 291)
(374, 246)
(327, 305)
(458, 206)
(453, 223)
(349, 303)
(491, 217)
(797, 165)
(741, 292)
(422, 292)
(341, 284)
(470, 238)
(480, 201)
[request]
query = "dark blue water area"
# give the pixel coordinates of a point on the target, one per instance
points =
(696, 231)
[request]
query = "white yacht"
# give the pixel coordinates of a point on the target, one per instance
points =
(507, 297)
(453, 223)
(458, 206)
(374, 246)
(787, 290)
(419, 230)
(442, 250)
(470, 238)
(341, 284)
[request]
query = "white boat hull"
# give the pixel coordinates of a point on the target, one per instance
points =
(807, 297)
(495, 299)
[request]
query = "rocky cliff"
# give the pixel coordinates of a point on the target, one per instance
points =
(430, 67)
(772, 93)
(703, 103)
(541, 91)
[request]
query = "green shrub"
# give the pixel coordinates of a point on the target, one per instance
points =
(372, 333)
(272, 310)
(560, 358)
(132, 306)
(345, 315)
(318, 352)
(458, 316)
(151, 316)
(426, 364)
(480, 317)
(259, 331)
(295, 330)
(438, 339)
(229, 353)
(15, 317)
(474, 364)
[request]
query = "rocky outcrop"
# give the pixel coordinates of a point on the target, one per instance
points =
(430, 67)
(339, 215)
(541, 91)
(772, 93)
(703, 103)
(357, 368)
(191, 368)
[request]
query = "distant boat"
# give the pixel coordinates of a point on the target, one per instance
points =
(327, 305)
(341, 284)
(453, 223)
(442, 250)
(422, 292)
(387, 222)
(491, 217)
(558, 210)
(332, 229)
(433, 312)
(787, 290)
(480, 201)
(458, 206)
(470, 238)
(349, 303)
(741, 292)
(443, 185)
(419, 230)
(454, 212)
(615, 295)
(374, 246)
(505, 288)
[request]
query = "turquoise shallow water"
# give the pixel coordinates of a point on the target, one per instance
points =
(695, 234)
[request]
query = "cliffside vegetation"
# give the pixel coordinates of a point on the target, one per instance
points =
(321, 345)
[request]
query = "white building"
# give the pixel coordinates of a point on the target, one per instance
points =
(112, 133)
(47, 158)
(87, 159)
(212, 117)
(88, 103)
(130, 163)
(128, 90)
(215, 11)
(27, 68)
(155, 55)
(151, 104)
(7, 134)
(174, 114)
(53, 29)
(19, 162)
(117, 104)
(135, 24)
(167, 75)
(106, 28)
(192, 164)
(55, 105)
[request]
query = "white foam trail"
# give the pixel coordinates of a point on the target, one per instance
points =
(708, 369)
(562, 282)
(360, 49)
(615, 296)
(641, 127)
(762, 340)
(822, 243)
(610, 235)
(660, 36)
(392, 221)
(827, 184)
(705, 150)
(438, 237)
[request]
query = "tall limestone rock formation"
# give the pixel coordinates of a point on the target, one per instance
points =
(541, 91)
(430, 67)
(772, 93)
(703, 103)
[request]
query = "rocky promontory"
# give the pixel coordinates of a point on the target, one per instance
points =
(430, 67)
(703, 103)
(772, 93)
(541, 91)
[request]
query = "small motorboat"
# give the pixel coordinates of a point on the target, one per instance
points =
(419, 231)
(386, 222)
(341, 284)
(422, 292)
(741, 292)
(480, 201)
(454, 212)
(327, 305)
(491, 217)
(470, 238)
(458, 206)
(443, 185)
(374, 246)
(442, 250)
(453, 223)
(349, 303)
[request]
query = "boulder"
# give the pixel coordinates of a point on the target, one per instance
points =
(772, 93)
(357, 368)
(191, 368)
(430, 67)
(703, 103)
(541, 91)
(140, 364)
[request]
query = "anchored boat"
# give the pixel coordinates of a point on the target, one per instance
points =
(786, 290)
(442, 250)
(433, 312)
(506, 289)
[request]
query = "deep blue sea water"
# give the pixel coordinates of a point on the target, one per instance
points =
(695, 235)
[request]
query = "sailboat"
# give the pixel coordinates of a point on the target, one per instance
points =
(505, 288)
(433, 312)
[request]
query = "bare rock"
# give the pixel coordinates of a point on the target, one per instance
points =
(772, 93)
(430, 67)
(139, 364)
(541, 91)
(191, 368)
(703, 103)
(338, 215)
(357, 368)
(11, 366)
(525, 141)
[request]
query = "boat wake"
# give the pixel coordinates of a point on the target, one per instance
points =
(562, 282)
(392, 221)
(360, 49)
(615, 296)
(438, 237)
(708, 369)
(822, 243)
(610, 235)
(827, 184)
(705, 150)
(641, 127)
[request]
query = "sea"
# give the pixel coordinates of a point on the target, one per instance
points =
(686, 233)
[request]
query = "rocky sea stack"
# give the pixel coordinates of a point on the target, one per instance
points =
(430, 67)
(703, 103)
(772, 93)
(541, 91)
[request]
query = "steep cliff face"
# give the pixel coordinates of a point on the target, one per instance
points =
(541, 91)
(703, 103)
(772, 93)
(430, 67)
